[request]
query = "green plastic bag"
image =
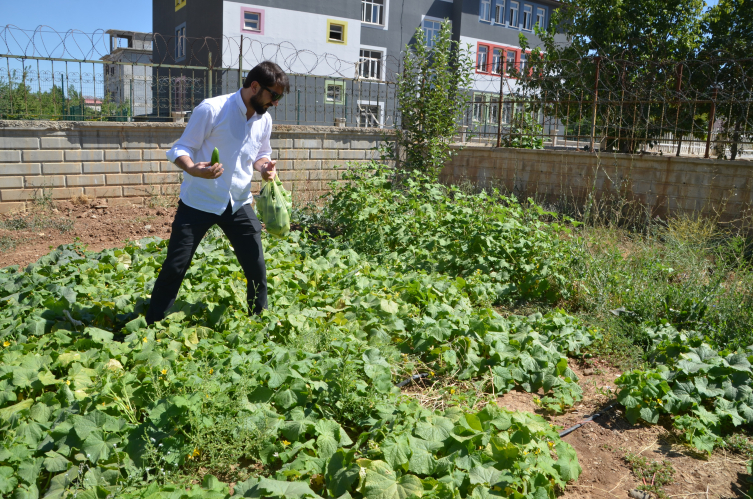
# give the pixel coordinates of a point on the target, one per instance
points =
(273, 206)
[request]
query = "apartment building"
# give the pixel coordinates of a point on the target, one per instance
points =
(345, 41)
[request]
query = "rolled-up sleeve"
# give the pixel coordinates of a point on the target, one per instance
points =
(265, 151)
(198, 129)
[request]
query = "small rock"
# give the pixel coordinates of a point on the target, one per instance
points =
(41, 234)
(639, 494)
(589, 372)
(148, 228)
(94, 216)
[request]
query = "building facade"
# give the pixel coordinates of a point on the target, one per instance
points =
(353, 48)
(129, 82)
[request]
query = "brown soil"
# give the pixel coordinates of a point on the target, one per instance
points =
(602, 445)
(95, 224)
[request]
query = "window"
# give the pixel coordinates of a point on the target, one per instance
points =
(368, 115)
(370, 64)
(179, 4)
(334, 92)
(482, 58)
(478, 107)
(540, 18)
(180, 42)
(513, 19)
(252, 21)
(506, 112)
(485, 11)
(431, 29)
(499, 13)
(527, 17)
(493, 109)
(523, 62)
(372, 11)
(337, 31)
(497, 61)
(510, 62)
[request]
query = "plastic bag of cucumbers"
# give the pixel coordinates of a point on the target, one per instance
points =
(273, 206)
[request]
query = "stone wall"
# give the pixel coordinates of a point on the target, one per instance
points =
(126, 162)
(665, 184)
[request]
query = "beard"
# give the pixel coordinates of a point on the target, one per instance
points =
(258, 106)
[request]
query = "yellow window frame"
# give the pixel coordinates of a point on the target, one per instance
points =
(179, 4)
(344, 24)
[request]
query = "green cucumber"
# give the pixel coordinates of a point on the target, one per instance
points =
(215, 157)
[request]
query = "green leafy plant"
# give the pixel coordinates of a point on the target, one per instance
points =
(654, 475)
(431, 101)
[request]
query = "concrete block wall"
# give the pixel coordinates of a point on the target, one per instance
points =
(126, 162)
(668, 185)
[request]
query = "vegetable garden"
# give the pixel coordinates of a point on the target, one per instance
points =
(301, 401)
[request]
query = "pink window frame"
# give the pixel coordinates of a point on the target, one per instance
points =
(262, 16)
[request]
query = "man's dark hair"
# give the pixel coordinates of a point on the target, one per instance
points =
(268, 74)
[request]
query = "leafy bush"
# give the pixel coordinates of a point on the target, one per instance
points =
(706, 391)
(437, 228)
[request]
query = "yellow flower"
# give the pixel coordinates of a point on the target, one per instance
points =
(211, 371)
(164, 371)
(6, 343)
(145, 340)
(660, 401)
(551, 444)
(67, 382)
(285, 443)
(159, 341)
(452, 391)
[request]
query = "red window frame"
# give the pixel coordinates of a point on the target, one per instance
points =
(490, 57)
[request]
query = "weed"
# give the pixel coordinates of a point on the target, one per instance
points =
(653, 474)
(7, 243)
(740, 444)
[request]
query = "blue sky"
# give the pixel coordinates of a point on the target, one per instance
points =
(85, 15)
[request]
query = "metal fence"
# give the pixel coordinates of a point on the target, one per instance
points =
(63, 81)
(698, 107)
(695, 107)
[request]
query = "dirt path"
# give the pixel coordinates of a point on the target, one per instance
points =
(603, 444)
(25, 237)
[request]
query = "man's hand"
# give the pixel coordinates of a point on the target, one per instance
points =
(205, 170)
(268, 170)
(201, 170)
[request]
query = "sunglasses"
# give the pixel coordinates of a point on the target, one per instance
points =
(275, 95)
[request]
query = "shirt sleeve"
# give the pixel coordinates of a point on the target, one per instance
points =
(197, 130)
(265, 151)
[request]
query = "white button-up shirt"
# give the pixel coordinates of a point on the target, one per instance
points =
(221, 122)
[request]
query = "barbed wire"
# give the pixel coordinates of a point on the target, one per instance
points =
(75, 44)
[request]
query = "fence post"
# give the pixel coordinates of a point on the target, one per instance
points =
(499, 108)
(209, 68)
(711, 122)
(593, 108)
(677, 120)
(240, 64)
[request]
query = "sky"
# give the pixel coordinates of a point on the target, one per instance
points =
(85, 15)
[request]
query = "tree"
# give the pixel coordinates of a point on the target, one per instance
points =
(634, 47)
(728, 27)
(431, 102)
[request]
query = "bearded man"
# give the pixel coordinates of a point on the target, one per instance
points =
(239, 126)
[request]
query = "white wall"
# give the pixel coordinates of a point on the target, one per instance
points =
(485, 82)
(297, 41)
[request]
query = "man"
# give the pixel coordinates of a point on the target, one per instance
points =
(239, 127)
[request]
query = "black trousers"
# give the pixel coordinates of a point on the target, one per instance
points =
(243, 230)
